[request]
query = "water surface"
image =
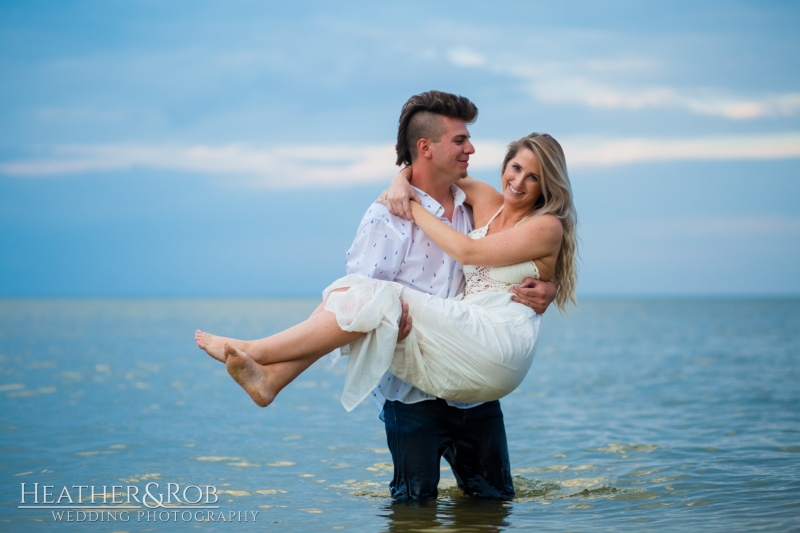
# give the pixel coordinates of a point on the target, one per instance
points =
(636, 416)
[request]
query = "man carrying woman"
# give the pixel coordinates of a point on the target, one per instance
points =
(536, 222)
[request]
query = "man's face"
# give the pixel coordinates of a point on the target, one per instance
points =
(450, 156)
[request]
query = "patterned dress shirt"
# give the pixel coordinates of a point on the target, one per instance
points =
(391, 248)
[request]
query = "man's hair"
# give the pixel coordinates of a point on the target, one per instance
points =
(419, 120)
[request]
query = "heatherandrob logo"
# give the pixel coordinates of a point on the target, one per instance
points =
(124, 503)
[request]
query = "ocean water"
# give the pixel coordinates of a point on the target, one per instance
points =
(642, 415)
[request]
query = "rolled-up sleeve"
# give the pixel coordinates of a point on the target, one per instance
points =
(379, 249)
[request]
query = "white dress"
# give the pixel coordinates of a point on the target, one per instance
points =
(475, 348)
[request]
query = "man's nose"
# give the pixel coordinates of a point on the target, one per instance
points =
(469, 148)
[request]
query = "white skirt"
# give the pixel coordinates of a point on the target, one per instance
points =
(475, 349)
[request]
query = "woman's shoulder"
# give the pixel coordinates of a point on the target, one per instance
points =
(479, 192)
(545, 222)
(484, 199)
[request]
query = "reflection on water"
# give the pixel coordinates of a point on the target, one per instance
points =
(457, 515)
(642, 415)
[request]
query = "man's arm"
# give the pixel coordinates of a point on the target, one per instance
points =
(536, 294)
(378, 252)
(378, 249)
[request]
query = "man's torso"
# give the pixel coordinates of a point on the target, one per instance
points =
(393, 249)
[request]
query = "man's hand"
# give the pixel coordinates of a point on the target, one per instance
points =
(534, 293)
(404, 326)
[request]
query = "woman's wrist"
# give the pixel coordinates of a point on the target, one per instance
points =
(403, 177)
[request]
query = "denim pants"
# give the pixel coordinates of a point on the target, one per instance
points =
(473, 441)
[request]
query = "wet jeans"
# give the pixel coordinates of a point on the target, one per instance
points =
(473, 441)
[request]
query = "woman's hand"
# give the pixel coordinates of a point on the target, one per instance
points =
(398, 197)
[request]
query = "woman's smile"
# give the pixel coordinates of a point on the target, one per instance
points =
(515, 191)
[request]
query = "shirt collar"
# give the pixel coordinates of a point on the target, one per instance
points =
(435, 208)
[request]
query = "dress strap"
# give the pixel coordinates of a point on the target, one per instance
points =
(494, 217)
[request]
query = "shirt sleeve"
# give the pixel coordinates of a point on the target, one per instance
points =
(379, 248)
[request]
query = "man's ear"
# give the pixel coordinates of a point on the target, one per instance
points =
(424, 148)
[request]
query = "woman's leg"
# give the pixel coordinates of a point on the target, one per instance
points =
(214, 345)
(318, 335)
(263, 382)
(314, 337)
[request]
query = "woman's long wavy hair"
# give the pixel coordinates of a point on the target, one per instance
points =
(556, 200)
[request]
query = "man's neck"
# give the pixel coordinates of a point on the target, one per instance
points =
(437, 188)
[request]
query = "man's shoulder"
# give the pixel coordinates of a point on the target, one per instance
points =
(378, 211)
(380, 214)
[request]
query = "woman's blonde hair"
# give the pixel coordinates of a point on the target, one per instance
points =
(556, 200)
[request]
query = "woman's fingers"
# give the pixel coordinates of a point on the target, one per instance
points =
(407, 208)
(401, 203)
(400, 195)
(383, 199)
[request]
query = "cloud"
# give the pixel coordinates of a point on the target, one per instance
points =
(587, 151)
(773, 105)
(340, 165)
(596, 94)
(583, 152)
(621, 84)
(291, 166)
(465, 57)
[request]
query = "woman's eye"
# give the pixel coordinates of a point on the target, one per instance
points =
(516, 167)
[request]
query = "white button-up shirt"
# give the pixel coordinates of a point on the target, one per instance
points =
(391, 248)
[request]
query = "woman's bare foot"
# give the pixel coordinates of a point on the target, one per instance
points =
(215, 346)
(253, 378)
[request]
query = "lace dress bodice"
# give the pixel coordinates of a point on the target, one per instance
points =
(482, 280)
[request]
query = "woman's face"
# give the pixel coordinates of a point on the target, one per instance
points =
(521, 179)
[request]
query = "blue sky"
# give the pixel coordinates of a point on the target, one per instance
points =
(230, 149)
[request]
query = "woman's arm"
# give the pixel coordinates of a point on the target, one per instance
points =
(483, 198)
(397, 198)
(537, 238)
(480, 195)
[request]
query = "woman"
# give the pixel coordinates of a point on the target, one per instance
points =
(474, 349)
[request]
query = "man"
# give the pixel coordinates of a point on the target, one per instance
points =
(433, 138)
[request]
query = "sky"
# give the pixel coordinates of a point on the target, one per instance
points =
(229, 149)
